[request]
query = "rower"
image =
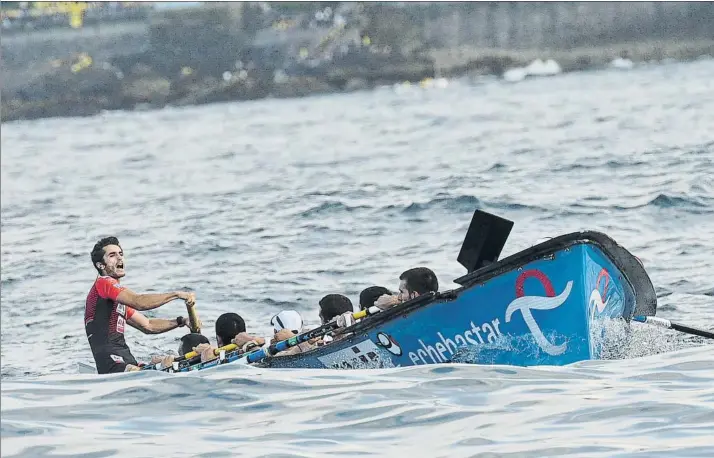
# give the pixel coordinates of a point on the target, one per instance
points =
(228, 326)
(334, 305)
(191, 341)
(369, 296)
(338, 308)
(287, 324)
(230, 329)
(413, 283)
(110, 307)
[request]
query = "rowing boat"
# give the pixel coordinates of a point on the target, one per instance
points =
(545, 305)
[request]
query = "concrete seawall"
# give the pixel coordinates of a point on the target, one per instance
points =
(424, 39)
(559, 25)
(457, 34)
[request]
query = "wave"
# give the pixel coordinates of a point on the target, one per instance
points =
(691, 204)
(225, 156)
(327, 208)
(668, 201)
(457, 204)
(500, 205)
(617, 164)
(497, 167)
(141, 158)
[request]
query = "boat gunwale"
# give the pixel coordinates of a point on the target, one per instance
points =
(631, 268)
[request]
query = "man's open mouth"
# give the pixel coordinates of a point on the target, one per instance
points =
(120, 266)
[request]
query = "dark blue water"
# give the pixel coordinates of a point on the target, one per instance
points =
(266, 205)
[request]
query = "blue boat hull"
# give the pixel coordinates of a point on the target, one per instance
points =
(542, 306)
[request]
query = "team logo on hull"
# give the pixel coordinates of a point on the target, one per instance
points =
(387, 342)
(525, 304)
(596, 303)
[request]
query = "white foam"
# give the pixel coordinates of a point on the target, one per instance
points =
(515, 74)
(622, 64)
(541, 68)
(536, 68)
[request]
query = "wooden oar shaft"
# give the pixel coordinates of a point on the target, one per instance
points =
(193, 323)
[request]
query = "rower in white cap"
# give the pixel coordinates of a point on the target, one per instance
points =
(287, 324)
(289, 320)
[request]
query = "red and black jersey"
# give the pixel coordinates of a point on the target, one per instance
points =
(104, 322)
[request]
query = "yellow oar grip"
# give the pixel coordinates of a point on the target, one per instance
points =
(229, 347)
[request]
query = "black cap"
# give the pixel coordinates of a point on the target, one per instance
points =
(189, 341)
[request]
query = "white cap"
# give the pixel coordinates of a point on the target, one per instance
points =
(287, 319)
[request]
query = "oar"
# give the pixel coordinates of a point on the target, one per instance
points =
(676, 326)
(193, 323)
(190, 355)
(283, 345)
(275, 348)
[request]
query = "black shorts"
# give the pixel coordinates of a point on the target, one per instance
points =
(114, 360)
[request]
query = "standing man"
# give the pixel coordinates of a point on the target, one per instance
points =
(110, 307)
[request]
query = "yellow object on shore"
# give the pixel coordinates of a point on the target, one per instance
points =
(76, 13)
(74, 10)
(84, 61)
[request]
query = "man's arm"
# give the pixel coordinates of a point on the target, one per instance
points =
(386, 301)
(145, 302)
(243, 338)
(153, 325)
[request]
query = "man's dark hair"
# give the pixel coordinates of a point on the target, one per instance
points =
(189, 341)
(98, 250)
(333, 305)
(228, 326)
(369, 296)
(420, 280)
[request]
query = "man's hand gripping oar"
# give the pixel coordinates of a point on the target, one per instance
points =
(194, 325)
(283, 345)
(275, 348)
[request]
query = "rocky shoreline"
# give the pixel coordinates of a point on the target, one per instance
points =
(64, 92)
(81, 87)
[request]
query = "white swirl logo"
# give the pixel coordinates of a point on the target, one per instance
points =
(527, 303)
(596, 303)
